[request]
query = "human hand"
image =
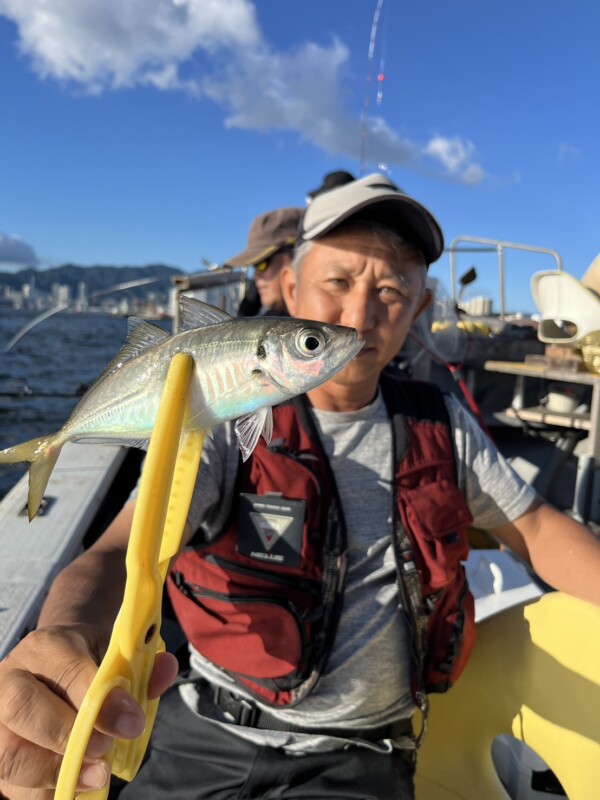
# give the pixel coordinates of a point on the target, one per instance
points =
(43, 682)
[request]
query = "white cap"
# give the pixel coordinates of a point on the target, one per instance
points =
(377, 199)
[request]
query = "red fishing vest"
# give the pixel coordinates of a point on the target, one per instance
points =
(262, 601)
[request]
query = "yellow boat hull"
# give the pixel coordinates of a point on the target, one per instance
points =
(534, 674)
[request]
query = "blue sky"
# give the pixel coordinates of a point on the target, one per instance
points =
(144, 131)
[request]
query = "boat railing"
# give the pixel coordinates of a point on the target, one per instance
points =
(491, 246)
(203, 281)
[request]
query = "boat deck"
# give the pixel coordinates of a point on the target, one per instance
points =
(31, 554)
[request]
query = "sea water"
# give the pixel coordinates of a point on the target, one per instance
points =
(44, 374)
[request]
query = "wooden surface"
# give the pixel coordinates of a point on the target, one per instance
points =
(540, 371)
(547, 417)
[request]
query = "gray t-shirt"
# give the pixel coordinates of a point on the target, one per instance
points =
(366, 680)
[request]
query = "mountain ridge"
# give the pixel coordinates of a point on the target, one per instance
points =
(97, 278)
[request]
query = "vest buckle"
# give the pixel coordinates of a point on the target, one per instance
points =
(236, 708)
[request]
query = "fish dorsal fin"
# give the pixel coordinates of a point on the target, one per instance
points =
(249, 428)
(141, 335)
(196, 314)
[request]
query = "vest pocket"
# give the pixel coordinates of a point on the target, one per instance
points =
(250, 621)
(438, 515)
(255, 636)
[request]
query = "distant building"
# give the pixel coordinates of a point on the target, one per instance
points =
(81, 301)
(477, 306)
(61, 294)
(30, 295)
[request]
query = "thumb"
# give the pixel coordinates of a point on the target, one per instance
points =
(164, 673)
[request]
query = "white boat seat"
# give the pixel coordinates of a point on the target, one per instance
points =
(591, 277)
(534, 675)
(568, 310)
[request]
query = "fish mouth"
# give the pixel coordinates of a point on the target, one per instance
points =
(366, 348)
(357, 347)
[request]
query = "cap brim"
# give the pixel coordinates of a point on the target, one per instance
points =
(395, 211)
(252, 256)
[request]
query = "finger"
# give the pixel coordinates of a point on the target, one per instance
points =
(43, 681)
(38, 714)
(42, 707)
(16, 793)
(120, 715)
(29, 709)
(26, 765)
(164, 673)
(65, 659)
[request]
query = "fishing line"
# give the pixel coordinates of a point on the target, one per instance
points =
(370, 58)
(381, 72)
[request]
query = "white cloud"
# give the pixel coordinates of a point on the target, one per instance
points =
(216, 49)
(567, 152)
(457, 156)
(104, 44)
(14, 252)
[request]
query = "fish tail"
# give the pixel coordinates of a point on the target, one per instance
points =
(42, 455)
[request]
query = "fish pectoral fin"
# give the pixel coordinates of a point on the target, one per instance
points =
(196, 314)
(267, 430)
(249, 428)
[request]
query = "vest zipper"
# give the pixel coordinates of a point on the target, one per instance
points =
(409, 589)
(281, 580)
(195, 591)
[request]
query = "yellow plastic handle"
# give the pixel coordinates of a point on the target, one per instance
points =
(165, 494)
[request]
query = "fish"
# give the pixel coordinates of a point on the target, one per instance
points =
(242, 367)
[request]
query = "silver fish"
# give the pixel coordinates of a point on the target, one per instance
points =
(242, 368)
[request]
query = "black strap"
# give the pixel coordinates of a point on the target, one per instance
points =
(423, 402)
(244, 712)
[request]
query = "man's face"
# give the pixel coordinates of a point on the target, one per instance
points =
(349, 278)
(267, 281)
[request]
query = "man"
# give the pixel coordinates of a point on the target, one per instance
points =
(330, 181)
(308, 655)
(269, 249)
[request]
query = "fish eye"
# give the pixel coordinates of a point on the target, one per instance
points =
(310, 342)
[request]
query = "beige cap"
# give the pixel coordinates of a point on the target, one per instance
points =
(377, 199)
(268, 233)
